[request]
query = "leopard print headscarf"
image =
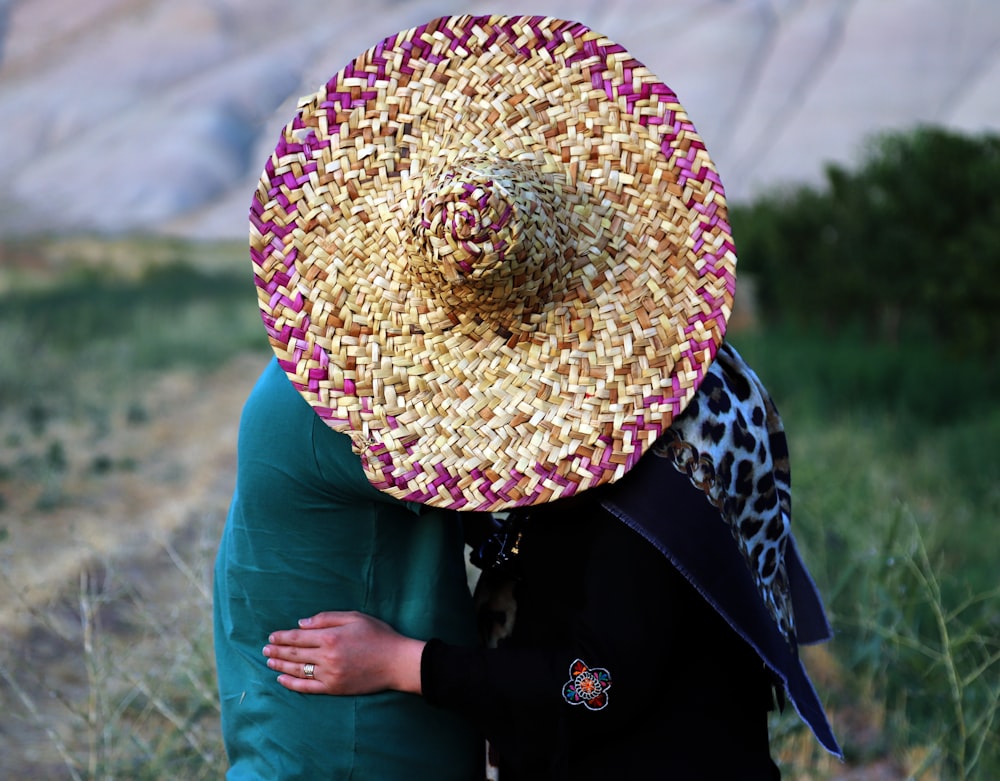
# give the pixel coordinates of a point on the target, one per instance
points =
(731, 443)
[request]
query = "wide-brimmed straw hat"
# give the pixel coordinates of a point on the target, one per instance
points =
(495, 253)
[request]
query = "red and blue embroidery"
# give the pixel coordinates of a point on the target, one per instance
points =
(587, 686)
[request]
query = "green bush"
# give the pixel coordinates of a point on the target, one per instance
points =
(905, 247)
(845, 373)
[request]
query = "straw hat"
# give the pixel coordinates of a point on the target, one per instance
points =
(495, 253)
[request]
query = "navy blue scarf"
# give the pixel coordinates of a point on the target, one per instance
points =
(731, 443)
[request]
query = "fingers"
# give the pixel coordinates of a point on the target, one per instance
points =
(289, 653)
(352, 654)
(302, 685)
(329, 618)
(301, 638)
(293, 676)
(306, 637)
(294, 669)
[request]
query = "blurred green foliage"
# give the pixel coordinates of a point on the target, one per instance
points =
(117, 324)
(896, 515)
(905, 246)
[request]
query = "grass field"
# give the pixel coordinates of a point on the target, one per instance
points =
(896, 486)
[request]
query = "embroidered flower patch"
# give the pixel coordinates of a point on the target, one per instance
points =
(587, 686)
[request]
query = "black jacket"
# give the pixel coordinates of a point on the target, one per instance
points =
(688, 697)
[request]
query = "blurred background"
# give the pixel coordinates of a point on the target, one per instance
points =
(154, 116)
(858, 143)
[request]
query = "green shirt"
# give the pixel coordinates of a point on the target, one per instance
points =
(306, 532)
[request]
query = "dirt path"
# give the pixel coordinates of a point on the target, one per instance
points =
(181, 463)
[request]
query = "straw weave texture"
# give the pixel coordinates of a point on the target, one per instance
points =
(495, 253)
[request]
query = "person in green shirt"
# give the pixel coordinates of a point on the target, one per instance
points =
(306, 530)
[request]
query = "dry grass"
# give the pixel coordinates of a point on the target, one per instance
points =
(114, 679)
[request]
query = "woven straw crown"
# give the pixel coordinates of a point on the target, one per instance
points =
(495, 253)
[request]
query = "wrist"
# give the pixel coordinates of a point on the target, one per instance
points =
(407, 666)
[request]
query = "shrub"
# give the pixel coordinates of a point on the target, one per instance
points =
(906, 246)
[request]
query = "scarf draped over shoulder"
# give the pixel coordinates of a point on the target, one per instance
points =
(731, 443)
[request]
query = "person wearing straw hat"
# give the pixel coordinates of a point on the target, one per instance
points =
(493, 259)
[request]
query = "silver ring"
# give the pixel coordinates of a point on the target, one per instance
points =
(309, 670)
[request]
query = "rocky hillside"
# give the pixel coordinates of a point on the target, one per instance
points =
(157, 115)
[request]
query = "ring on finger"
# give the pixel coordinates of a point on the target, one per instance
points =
(309, 670)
